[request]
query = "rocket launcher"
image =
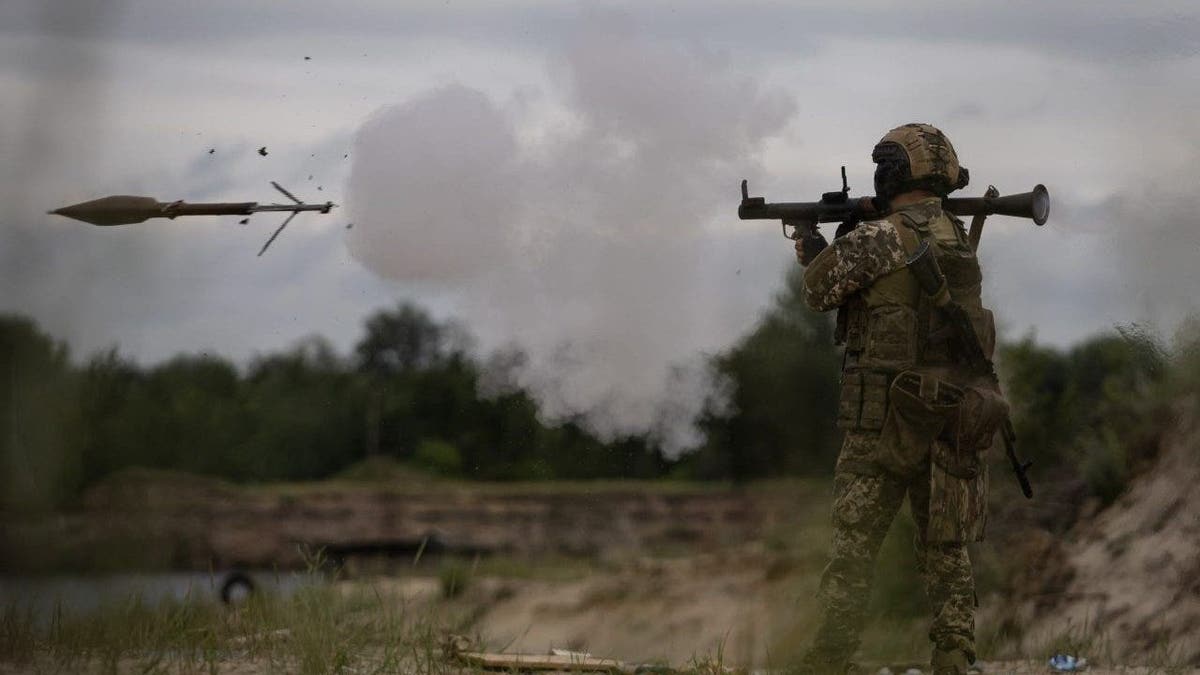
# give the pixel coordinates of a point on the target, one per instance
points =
(839, 207)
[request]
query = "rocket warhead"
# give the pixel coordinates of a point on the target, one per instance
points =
(128, 209)
(114, 210)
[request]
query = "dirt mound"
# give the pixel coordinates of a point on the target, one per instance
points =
(1127, 581)
(164, 520)
(135, 488)
(382, 469)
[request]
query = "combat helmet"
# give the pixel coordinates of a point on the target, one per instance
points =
(916, 157)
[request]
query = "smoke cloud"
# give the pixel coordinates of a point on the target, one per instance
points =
(573, 224)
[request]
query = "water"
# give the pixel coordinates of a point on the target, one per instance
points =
(84, 594)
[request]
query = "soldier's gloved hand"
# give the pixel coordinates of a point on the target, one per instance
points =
(809, 245)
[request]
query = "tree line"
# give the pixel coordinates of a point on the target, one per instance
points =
(411, 390)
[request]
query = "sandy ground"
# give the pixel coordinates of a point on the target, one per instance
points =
(1131, 576)
(659, 611)
(752, 612)
(671, 610)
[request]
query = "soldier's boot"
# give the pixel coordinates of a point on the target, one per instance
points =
(950, 662)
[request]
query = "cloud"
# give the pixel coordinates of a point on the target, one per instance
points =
(586, 247)
(1084, 29)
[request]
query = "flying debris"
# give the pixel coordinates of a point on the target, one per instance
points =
(211, 150)
(128, 209)
(263, 151)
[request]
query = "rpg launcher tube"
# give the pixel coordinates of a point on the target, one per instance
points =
(1034, 205)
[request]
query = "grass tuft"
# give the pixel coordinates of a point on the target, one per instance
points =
(454, 576)
(327, 628)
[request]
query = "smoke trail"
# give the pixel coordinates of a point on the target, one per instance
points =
(583, 242)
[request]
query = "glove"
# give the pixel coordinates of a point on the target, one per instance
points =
(809, 245)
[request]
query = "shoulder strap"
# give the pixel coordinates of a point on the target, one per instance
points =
(911, 232)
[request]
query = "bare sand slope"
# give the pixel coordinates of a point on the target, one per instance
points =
(1130, 577)
(726, 606)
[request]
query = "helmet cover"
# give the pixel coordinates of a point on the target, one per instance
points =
(916, 157)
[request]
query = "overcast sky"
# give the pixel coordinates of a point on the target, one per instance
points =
(564, 177)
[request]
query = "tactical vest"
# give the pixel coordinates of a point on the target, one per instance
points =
(890, 326)
(906, 387)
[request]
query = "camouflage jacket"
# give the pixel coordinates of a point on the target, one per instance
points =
(889, 325)
(852, 263)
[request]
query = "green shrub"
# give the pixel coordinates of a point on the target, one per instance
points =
(1106, 466)
(439, 456)
(384, 469)
(1106, 390)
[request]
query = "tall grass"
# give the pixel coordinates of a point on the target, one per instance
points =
(317, 630)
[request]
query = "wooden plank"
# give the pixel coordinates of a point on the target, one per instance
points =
(572, 663)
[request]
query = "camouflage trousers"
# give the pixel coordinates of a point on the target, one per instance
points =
(865, 502)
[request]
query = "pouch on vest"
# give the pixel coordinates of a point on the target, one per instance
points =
(862, 403)
(963, 444)
(919, 408)
(891, 336)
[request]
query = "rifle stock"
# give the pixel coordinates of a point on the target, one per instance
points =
(1010, 449)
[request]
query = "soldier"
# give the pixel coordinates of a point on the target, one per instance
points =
(917, 420)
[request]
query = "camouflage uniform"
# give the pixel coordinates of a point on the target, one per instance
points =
(863, 509)
(917, 423)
